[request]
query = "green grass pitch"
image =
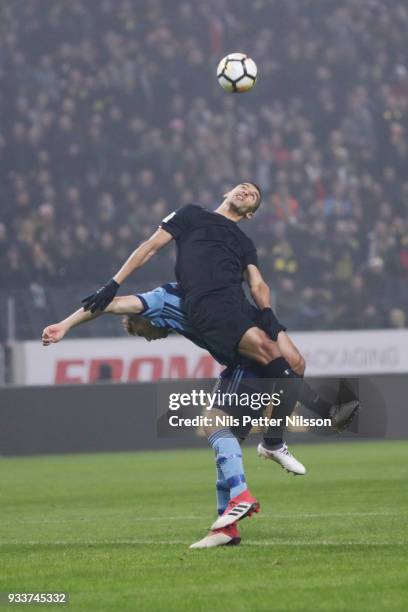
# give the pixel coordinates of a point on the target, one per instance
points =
(113, 531)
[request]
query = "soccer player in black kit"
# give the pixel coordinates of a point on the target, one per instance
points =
(213, 258)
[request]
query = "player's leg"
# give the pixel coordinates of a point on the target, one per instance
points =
(222, 491)
(230, 483)
(291, 353)
(257, 345)
(308, 397)
(253, 384)
(273, 447)
(228, 456)
(276, 365)
(341, 412)
(222, 488)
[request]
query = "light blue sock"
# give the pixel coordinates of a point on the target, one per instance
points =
(228, 457)
(222, 491)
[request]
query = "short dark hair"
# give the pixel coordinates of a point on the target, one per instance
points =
(257, 187)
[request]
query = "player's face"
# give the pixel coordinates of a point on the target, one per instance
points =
(243, 199)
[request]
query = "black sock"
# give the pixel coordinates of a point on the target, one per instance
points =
(292, 392)
(287, 385)
(312, 400)
(319, 406)
(272, 443)
(280, 368)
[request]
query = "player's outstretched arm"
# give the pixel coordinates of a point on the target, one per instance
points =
(127, 304)
(104, 295)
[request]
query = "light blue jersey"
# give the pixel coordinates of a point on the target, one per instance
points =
(163, 307)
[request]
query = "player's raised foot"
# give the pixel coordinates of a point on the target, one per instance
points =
(227, 536)
(239, 507)
(282, 456)
(343, 414)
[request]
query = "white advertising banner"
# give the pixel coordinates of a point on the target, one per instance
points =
(129, 359)
(348, 353)
(354, 353)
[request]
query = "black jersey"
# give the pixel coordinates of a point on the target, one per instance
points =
(212, 251)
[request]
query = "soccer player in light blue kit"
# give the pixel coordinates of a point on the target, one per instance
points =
(155, 314)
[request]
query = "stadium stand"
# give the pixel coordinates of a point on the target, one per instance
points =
(92, 158)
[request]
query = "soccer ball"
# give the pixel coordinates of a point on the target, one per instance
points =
(237, 73)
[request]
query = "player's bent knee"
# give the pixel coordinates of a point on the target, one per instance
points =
(270, 349)
(257, 345)
(297, 363)
(301, 367)
(262, 348)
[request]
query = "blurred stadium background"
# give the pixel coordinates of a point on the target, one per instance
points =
(111, 117)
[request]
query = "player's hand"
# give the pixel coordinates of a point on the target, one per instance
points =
(102, 298)
(53, 333)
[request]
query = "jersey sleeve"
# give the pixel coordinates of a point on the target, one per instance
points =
(250, 254)
(179, 221)
(153, 302)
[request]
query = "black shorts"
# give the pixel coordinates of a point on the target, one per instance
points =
(237, 383)
(222, 317)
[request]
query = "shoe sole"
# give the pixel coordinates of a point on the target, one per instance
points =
(340, 428)
(234, 542)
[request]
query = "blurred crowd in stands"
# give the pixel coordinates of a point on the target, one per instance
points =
(111, 116)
